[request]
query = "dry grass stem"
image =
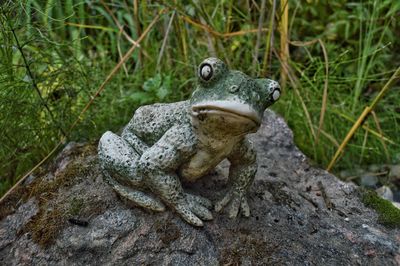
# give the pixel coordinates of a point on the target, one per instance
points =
(365, 127)
(164, 43)
(216, 33)
(295, 85)
(259, 31)
(120, 27)
(269, 42)
(378, 127)
(363, 146)
(325, 94)
(284, 52)
(328, 136)
(363, 116)
(96, 27)
(120, 52)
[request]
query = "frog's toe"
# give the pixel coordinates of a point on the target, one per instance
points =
(200, 200)
(234, 207)
(185, 212)
(244, 207)
(222, 203)
(236, 202)
(201, 211)
(145, 201)
(137, 197)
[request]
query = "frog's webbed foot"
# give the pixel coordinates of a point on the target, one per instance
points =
(236, 200)
(139, 198)
(193, 209)
(200, 200)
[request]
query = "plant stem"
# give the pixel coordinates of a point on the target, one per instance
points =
(34, 84)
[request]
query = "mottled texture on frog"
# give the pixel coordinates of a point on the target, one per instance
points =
(165, 143)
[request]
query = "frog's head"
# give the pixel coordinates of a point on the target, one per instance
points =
(229, 101)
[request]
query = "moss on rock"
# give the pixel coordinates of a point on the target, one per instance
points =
(389, 215)
(54, 213)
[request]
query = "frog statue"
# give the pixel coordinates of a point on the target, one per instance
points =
(166, 143)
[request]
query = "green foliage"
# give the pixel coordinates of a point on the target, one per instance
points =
(389, 215)
(71, 46)
(156, 88)
(362, 51)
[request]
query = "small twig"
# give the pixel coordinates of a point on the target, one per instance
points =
(363, 146)
(260, 23)
(120, 52)
(210, 45)
(325, 94)
(216, 33)
(85, 26)
(269, 40)
(138, 28)
(328, 136)
(160, 55)
(120, 27)
(378, 126)
(302, 44)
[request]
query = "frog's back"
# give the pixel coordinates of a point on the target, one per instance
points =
(150, 122)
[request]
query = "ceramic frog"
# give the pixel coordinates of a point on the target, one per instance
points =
(166, 143)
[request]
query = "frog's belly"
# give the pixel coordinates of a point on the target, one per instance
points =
(199, 165)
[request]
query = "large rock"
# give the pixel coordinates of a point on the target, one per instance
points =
(301, 215)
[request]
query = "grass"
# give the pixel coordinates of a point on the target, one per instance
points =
(334, 59)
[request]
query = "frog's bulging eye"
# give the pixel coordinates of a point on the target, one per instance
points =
(206, 72)
(276, 94)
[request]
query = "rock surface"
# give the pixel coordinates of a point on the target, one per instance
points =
(301, 215)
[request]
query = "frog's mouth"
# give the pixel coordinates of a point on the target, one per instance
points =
(226, 108)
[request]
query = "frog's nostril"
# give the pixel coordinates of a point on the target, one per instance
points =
(233, 88)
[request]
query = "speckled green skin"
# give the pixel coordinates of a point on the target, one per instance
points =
(165, 143)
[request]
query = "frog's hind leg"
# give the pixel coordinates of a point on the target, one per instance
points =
(119, 162)
(137, 197)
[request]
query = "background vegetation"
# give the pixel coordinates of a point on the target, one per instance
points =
(332, 58)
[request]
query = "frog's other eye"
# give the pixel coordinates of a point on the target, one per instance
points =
(275, 90)
(276, 94)
(206, 72)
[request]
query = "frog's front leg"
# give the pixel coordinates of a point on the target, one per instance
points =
(241, 175)
(158, 165)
